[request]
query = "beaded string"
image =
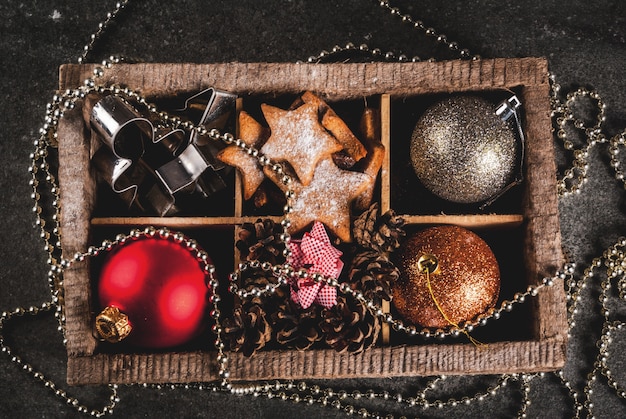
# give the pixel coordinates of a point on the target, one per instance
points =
(50, 233)
(565, 119)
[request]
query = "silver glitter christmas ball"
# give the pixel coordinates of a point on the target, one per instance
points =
(462, 151)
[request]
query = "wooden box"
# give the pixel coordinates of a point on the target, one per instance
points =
(526, 232)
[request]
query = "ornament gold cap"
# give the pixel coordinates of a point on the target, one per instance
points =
(428, 263)
(112, 325)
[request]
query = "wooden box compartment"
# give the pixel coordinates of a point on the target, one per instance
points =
(522, 228)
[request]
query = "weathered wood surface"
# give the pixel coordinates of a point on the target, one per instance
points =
(77, 187)
(177, 222)
(335, 81)
(379, 362)
(539, 219)
(542, 234)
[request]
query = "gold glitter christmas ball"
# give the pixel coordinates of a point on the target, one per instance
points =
(462, 151)
(464, 277)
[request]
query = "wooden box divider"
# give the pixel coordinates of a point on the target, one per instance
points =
(390, 84)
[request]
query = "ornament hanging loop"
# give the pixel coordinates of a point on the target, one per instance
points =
(428, 264)
(510, 110)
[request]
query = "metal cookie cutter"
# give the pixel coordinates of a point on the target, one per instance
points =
(210, 108)
(121, 127)
(197, 170)
(150, 167)
(126, 134)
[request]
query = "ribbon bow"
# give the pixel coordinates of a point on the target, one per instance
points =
(317, 254)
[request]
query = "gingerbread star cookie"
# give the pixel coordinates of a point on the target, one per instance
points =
(327, 198)
(337, 127)
(253, 134)
(298, 138)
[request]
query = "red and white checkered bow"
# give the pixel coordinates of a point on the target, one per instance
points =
(317, 254)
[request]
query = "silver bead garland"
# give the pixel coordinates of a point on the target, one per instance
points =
(613, 260)
(565, 119)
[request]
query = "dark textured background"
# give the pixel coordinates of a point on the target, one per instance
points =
(584, 41)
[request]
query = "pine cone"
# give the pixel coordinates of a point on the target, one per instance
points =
(389, 232)
(349, 326)
(260, 279)
(297, 327)
(248, 330)
(261, 241)
(381, 234)
(374, 274)
(364, 226)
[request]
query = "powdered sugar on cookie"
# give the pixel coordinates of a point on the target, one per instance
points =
(327, 198)
(298, 138)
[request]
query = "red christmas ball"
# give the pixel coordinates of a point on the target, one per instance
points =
(160, 286)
